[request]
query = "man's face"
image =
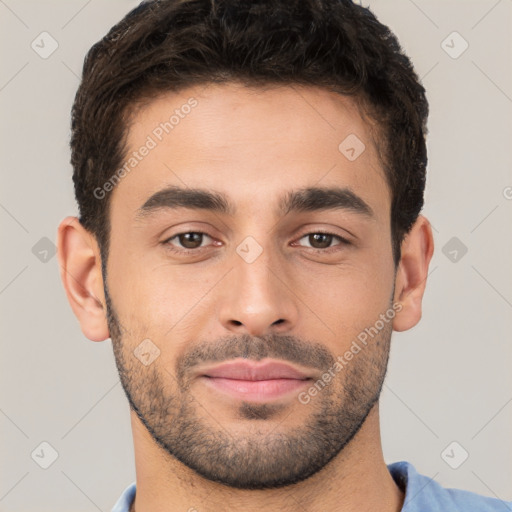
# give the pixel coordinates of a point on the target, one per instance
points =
(254, 282)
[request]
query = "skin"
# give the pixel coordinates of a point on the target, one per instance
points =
(253, 146)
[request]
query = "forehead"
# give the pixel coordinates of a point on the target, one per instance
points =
(249, 143)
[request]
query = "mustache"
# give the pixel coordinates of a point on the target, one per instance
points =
(284, 347)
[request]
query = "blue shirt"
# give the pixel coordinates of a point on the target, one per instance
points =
(422, 494)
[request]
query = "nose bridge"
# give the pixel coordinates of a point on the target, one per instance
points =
(257, 299)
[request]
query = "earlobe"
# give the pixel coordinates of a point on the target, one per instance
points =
(80, 272)
(412, 273)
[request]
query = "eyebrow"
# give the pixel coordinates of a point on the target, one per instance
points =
(307, 199)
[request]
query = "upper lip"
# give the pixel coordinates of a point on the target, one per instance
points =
(246, 370)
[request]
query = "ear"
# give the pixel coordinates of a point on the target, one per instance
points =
(411, 277)
(80, 271)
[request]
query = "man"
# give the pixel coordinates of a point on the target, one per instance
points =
(250, 177)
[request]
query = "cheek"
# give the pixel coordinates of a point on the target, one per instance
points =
(347, 298)
(164, 298)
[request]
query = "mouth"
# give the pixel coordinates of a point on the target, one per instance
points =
(257, 382)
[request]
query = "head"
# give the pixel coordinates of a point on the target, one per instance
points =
(250, 177)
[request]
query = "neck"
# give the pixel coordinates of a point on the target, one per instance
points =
(357, 479)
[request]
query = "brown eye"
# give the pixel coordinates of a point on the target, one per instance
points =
(321, 240)
(190, 240)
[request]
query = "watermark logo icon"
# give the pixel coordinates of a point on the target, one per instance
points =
(249, 249)
(352, 147)
(454, 455)
(454, 250)
(146, 352)
(454, 45)
(44, 45)
(44, 455)
(44, 250)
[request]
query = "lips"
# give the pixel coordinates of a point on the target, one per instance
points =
(255, 381)
(250, 371)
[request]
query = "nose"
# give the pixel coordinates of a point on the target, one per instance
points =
(258, 300)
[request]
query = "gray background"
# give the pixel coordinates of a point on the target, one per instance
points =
(449, 378)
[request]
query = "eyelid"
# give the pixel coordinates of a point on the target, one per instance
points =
(324, 231)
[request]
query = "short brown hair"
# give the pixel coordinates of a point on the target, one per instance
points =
(168, 45)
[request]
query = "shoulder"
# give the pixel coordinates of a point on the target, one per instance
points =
(425, 494)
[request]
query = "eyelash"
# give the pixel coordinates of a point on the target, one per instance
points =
(169, 247)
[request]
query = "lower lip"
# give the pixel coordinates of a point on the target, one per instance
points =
(256, 390)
